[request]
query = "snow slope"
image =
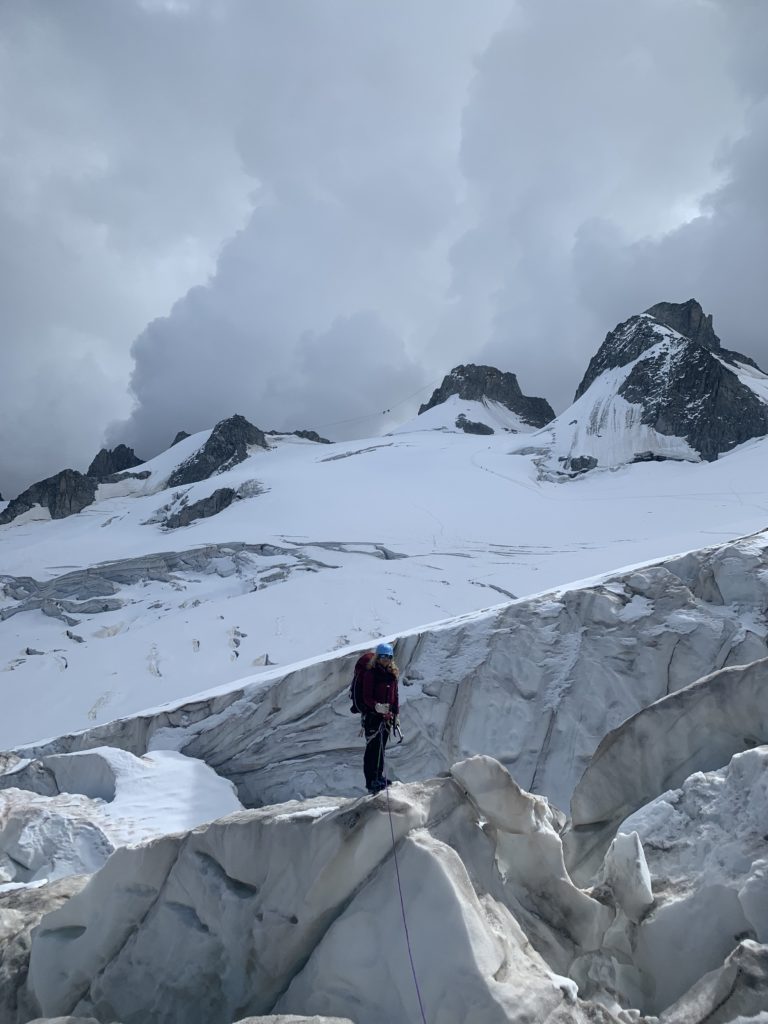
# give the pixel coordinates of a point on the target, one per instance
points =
(349, 542)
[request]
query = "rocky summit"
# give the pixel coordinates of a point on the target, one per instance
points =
(111, 461)
(688, 319)
(62, 495)
(685, 384)
(475, 383)
(226, 447)
(630, 339)
(69, 492)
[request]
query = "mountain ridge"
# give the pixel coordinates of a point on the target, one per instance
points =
(710, 398)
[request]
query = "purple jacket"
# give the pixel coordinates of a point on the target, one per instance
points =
(380, 687)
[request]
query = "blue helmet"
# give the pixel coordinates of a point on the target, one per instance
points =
(387, 650)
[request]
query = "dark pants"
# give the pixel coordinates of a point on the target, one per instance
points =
(376, 736)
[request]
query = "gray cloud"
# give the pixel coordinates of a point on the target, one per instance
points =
(116, 191)
(602, 111)
(352, 135)
(720, 255)
(305, 212)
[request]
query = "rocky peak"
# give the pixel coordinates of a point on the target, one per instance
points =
(627, 341)
(63, 495)
(311, 435)
(181, 436)
(474, 383)
(115, 460)
(688, 319)
(226, 447)
(685, 383)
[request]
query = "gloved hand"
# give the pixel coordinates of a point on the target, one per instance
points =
(396, 723)
(381, 709)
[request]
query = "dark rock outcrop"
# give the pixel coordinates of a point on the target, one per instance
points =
(111, 461)
(702, 401)
(650, 457)
(203, 509)
(688, 319)
(308, 435)
(472, 426)
(178, 512)
(69, 491)
(115, 478)
(473, 383)
(63, 495)
(581, 464)
(312, 435)
(182, 434)
(687, 387)
(226, 447)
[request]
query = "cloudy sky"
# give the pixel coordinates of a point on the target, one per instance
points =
(308, 212)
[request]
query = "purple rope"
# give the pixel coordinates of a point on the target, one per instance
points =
(400, 891)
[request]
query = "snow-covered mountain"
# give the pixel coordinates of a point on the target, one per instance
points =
(660, 387)
(490, 393)
(574, 824)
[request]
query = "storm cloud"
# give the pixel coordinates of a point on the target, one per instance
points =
(307, 213)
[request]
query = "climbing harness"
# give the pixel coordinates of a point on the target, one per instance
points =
(396, 731)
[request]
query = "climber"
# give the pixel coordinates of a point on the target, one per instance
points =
(380, 713)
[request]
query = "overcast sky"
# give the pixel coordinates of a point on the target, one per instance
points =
(305, 212)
